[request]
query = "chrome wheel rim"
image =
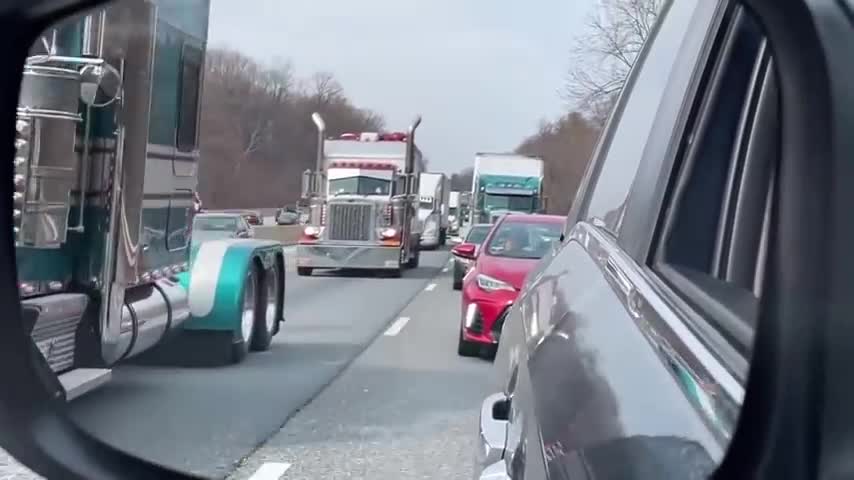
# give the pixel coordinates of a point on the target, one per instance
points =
(248, 316)
(272, 298)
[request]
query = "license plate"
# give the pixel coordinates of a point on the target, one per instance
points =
(391, 263)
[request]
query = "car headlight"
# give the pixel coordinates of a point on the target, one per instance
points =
(489, 284)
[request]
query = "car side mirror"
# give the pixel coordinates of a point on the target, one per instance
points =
(465, 250)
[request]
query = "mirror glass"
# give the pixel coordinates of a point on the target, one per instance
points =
(306, 353)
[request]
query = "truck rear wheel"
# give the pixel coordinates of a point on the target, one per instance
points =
(249, 317)
(265, 319)
(413, 261)
(304, 271)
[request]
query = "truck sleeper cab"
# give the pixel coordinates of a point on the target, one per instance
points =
(105, 277)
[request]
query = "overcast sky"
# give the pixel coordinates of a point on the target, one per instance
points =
(481, 72)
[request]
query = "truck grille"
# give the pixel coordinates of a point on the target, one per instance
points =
(349, 221)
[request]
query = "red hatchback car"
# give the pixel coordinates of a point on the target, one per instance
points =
(510, 251)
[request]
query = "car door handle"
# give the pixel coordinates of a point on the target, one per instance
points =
(492, 434)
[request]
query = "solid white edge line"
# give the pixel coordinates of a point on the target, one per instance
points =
(396, 327)
(270, 471)
(430, 287)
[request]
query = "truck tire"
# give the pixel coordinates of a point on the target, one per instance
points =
(249, 317)
(413, 262)
(265, 319)
(304, 271)
(458, 278)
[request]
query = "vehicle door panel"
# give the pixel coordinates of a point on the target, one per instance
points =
(597, 384)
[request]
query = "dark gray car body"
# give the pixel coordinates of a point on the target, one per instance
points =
(603, 370)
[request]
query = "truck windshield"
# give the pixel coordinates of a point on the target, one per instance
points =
(359, 186)
(426, 205)
(452, 211)
(516, 203)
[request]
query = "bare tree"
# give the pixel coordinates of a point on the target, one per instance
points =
(256, 132)
(604, 54)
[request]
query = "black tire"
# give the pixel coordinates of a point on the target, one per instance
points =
(413, 262)
(458, 278)
(243, 337)
(267, 317)
(304, 271)
(467, 349)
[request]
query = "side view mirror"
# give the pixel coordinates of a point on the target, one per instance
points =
(464, 250)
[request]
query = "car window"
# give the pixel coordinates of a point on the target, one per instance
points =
(643, 94)
(217, 223)
(717, 211)
(477, 235)
(523, 240)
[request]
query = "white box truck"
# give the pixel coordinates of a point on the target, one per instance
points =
(433, 195)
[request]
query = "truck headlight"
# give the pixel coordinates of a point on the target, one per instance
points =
(311, 231)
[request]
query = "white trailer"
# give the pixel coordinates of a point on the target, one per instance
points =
(433, 195)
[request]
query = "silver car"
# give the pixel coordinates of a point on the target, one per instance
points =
(475, 235)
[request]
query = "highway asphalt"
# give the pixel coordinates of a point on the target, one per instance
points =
(362, 382)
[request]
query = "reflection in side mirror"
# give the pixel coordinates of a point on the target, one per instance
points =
(464, 250)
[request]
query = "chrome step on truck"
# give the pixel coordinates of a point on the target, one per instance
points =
(81, 381)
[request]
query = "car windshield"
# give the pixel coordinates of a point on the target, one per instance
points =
(359, 186)
(523, 239)
(477, 234)
(216, 224)
(517, 203)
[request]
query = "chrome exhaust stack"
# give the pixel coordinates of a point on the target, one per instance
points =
(313, 180)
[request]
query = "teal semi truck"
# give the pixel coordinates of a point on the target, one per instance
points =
(106, 173)
(504, 183)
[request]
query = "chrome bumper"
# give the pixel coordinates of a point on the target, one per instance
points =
(348, 256)
(492, 438)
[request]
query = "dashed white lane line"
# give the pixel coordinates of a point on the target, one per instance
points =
(445, 270)
(430, 287)
(396, 327)
(270, 471)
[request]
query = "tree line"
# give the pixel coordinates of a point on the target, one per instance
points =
(256, 128)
